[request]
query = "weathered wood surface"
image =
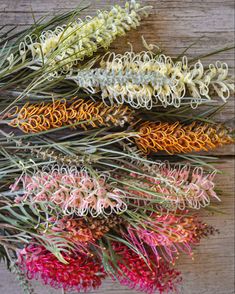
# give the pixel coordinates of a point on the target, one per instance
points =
(173, 25)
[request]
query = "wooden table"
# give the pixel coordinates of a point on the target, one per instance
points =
(173, 25)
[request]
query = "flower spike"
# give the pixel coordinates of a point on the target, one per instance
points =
(168, 234)
(149, 278)
(34, 118)
(76, 192)
(177, 138)
(84, 230)
(144, 80)
(81, 273)
(180, 187)
(67, 45)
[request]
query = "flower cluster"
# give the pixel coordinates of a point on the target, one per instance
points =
(178, 187)
(76, 192)
(81, 273)
(84, 230)
(167, 235)
(144, 80)
(177, 138)
(68, 44)
(141, 276)
(34, 118)
(55, 156)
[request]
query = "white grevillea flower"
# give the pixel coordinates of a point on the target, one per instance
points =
(145, 80)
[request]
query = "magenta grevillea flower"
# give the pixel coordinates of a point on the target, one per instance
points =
(82, 273)
(149, 278)
(74, 191)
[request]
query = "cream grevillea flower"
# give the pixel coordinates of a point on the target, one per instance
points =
(68, 44)
(145, 80)
(76, 192)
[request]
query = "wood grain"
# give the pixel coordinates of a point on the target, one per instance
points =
(173, 25)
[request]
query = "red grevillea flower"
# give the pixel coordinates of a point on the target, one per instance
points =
(82, 273)
(75, 191)
(136, 274)
(167, 235)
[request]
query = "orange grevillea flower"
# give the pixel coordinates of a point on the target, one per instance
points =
(34, 118)
(178, 138)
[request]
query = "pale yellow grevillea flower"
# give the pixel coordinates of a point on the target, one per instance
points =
(71, 43)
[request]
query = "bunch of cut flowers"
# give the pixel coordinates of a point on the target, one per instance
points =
(100, 175)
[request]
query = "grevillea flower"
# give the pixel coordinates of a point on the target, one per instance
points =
(34, 118)
(177, 138)
(86, 229)
(69, 44)
(147, 79)
(180, 186)
(73, 190)
(198, 187)
(149, 278)
(82, 273)
(168, 235)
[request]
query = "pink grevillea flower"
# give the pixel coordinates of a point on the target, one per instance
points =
(81, 273)
(74, 191)
(180, 187)
(149, 278)
(198, 186)
(168, 235)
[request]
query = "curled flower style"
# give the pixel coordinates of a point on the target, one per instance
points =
(144, 80)
(81, 273)
(34, 118)
(168, 234)
(68, 44)
(76, 192)
(180, 186)
(177, 138)
(83, 230)
(149, 278)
